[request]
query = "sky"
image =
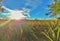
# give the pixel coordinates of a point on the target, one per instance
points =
(38, 8)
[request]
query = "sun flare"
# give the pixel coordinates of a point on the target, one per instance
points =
(17, 15)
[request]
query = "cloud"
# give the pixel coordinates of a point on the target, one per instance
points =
(18, 14)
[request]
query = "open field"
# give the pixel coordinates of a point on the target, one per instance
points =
(30, 30)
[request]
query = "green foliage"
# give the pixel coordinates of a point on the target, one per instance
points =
(54, 9)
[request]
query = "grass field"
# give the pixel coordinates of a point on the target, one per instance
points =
(31, 30)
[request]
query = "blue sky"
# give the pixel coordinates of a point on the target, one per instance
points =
(38, 8)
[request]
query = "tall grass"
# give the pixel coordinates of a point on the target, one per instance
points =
(31, 31)
(54, 32)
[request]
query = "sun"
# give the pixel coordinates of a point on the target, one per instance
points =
(17, 15)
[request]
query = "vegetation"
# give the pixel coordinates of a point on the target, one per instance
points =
(32, 30)
(54, 9)
(53, 32)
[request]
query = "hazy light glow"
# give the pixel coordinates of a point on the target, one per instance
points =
(17, 15)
